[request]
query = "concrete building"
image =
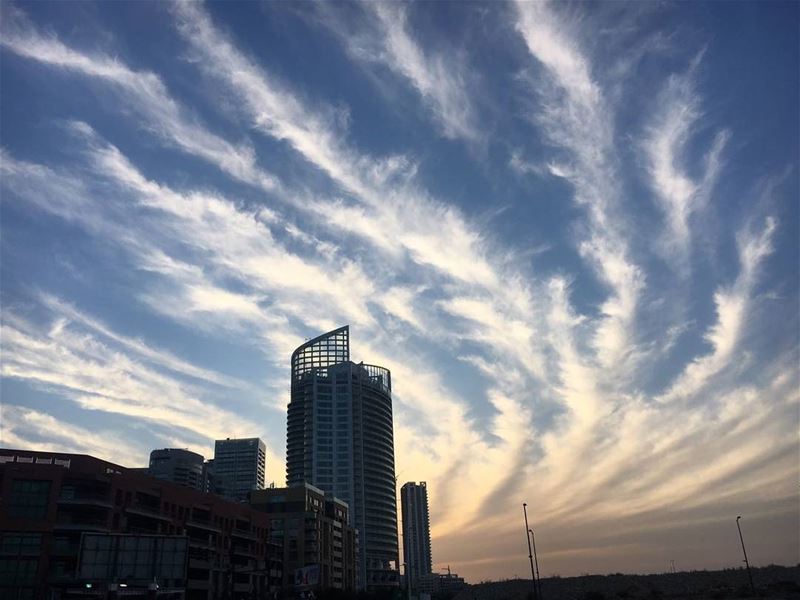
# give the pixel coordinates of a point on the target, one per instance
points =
(319, 546)
(239, 467)
(340, 438)
(440, 585)
(416, 531)
(52, 503)
(178, 466)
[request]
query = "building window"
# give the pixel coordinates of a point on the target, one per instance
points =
(18, 571)
(29, 499)
(21, 544)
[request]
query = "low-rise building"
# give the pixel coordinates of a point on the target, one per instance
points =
(442, 585)
(319, 545)
(50, 502)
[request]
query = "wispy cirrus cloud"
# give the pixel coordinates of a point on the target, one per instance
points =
(441, 79)
(432, 233)
(68, 313)
(733, 306)
(142, 91)
(98, 377)
(20, 427)
(575, 117)
(665, 145)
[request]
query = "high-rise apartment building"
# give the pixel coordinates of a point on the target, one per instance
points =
(416, 531)
(239, 467)
(179, 466)
(340, 438)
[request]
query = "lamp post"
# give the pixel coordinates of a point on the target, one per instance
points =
(536, 560)
(530, 553)
(746, 562)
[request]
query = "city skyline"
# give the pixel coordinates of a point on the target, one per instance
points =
(570, 231)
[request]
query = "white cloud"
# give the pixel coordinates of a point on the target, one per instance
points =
(100, 377)
(733, 305)
(575, 118)
(433, 234)
(668, 136)
(145, 93)
(155, 356)
(439, 78)
(24, 428)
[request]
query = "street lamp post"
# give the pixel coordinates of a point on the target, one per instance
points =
(746, 562)
(530, 553)
(536, 560)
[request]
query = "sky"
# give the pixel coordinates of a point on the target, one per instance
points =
(570, 230)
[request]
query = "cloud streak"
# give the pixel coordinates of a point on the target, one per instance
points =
(679, 194)
(146, 93)
(575, 118)
(439, 78)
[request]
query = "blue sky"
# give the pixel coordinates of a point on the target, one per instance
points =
(570, 230)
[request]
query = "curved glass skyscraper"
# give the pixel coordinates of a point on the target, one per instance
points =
(340, 438)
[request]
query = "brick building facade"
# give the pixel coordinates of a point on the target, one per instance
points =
(49, 500)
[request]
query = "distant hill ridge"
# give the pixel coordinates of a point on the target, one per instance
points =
(776, 582)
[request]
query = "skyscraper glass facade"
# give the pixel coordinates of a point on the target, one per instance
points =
(239, 467)
(179, 466)
(340, 438)
(416, 531)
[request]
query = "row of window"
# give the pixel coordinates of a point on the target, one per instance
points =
(21, 544)
(29, 499)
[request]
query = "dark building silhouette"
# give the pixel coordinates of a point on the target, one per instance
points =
(416, 532)
(444, 585)
(60, 514)
(340, 438)
(313, 529)
(178, 466)
(239, 467)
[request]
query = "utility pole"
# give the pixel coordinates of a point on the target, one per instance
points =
(536, 560)
(530, 552)
(746, 562)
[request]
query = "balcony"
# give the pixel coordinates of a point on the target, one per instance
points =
(199, 563)
(72, 522)
(244, 551)
(244, 534)
(148, 511)
(204, 525)
(201, 542)
(84, 499)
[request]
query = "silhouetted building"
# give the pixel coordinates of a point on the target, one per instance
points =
(62, 515)
(319, 546)
(340, 439)
(416, 531)
(178, 466)
(239, 467)
(440, 584)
